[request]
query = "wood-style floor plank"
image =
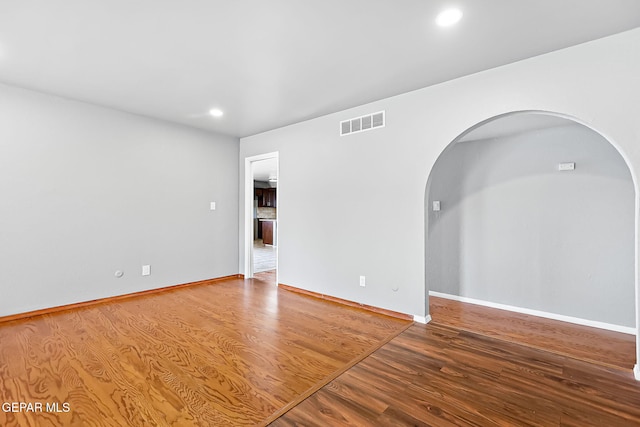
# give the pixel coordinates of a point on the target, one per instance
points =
(576, 341)
(444, 375)
(227, 353)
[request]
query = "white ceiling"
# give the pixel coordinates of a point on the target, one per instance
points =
(265, 169)
(272, 63)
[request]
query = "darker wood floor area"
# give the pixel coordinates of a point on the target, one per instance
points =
(478, 366)
(608, 348)
(238, 352)
(436, 375)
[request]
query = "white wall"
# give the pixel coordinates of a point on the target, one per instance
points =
(514, 230)
(362, 196)
(88, 190)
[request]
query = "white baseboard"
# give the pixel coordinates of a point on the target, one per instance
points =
(422, 319)
(636, 372)
(561, 317)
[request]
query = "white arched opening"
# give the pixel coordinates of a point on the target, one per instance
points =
(512, 229)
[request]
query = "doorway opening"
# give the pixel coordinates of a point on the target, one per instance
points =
(534, 212)
(261, 217)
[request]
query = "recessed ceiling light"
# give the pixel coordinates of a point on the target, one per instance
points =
(215, 112)
(448, 17)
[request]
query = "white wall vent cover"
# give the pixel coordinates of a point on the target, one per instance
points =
(363, 123)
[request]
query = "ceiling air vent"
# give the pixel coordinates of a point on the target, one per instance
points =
(363, 123)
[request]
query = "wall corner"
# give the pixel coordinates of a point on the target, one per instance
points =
(422, 319)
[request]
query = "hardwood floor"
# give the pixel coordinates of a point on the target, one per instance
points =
(244, 352)
(608, 348)
(268, 276)
(231, 353)
(445, 374)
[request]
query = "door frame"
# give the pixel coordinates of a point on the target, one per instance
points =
(248, 210)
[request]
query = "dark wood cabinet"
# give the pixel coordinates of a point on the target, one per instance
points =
(267, 232)
(270, 197)
(266, 197)
(273, 197)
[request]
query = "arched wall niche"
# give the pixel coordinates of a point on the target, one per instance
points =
(515, 230)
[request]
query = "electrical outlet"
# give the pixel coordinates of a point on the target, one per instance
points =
(212, 206)
(146, 270)
(363, 282)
